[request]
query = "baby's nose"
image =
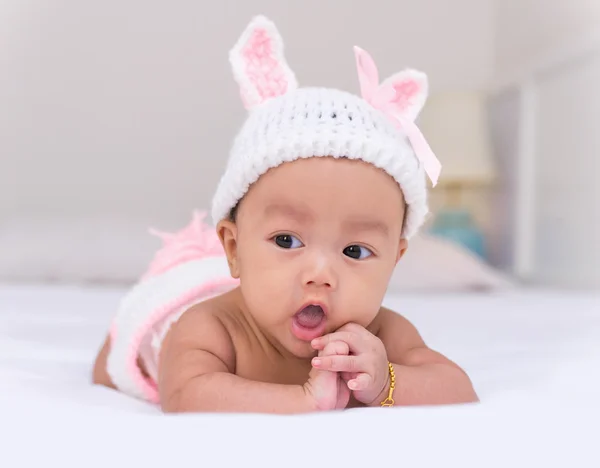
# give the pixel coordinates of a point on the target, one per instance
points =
(320, 272)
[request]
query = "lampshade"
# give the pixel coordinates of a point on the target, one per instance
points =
(456, 127)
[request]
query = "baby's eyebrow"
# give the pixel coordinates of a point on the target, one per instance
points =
(355, 225)
(284, 209)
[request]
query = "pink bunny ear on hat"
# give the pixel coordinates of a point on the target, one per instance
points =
(401, 97)
(411, 87)
(259, 66)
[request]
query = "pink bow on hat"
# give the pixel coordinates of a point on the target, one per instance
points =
(401, 97)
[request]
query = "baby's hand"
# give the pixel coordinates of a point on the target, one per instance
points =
(326, 388)
(365, 369)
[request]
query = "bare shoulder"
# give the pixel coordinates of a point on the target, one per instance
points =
(198, 343)
(204, 326)
(403, 342)
(396, 330)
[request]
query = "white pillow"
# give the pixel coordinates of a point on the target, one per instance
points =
(435, 264)
(115, 250)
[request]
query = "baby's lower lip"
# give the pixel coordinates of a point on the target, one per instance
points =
(305, 333)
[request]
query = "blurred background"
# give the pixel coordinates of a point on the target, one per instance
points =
(117, 116)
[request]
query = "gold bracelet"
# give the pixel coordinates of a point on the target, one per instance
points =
(389, 401)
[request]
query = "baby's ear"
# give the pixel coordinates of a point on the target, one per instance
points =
(258, 64)
(411, 87)
(227, 232)
(402, 248)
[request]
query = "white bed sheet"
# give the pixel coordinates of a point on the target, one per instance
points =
(534, 357)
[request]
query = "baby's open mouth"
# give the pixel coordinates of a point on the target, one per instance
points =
(309, 322)
(310, 317)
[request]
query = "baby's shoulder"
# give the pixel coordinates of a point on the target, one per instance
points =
(392, 327)
(209, 326)
(222, 309)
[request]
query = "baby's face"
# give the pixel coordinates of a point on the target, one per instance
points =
(317, 231)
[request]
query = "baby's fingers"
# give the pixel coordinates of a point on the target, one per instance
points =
(335, 347)
(352, 339)
(338, 363)
(360, 382)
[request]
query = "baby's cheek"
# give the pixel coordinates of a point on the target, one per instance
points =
(365, 315)
(360, 303)
(266, 294)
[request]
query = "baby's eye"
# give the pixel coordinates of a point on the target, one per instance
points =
(287, 241)
(357, 252)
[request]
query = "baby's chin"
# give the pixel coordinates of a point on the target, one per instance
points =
(300, 349)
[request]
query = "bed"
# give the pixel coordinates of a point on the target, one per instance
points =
(533, 355)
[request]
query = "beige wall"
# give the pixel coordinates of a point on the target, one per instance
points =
(528, 31)
(554, 48)
(128, 107)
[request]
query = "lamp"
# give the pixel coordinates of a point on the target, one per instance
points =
(455, 125)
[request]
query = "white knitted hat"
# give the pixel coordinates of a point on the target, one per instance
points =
(286, 123)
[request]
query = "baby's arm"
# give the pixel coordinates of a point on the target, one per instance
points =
(100, 374)
(423, 376)
(197, 373)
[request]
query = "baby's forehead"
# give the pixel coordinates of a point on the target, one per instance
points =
(332, 176)
(340, 218)
(336, 191)
(303, 199)
(351, 169)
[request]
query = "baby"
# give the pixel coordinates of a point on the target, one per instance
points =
(279, 310)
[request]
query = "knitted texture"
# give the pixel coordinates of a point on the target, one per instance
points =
(286, 123)
(196, 241)
(152, 300)
(190, 267)
(313, 122)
